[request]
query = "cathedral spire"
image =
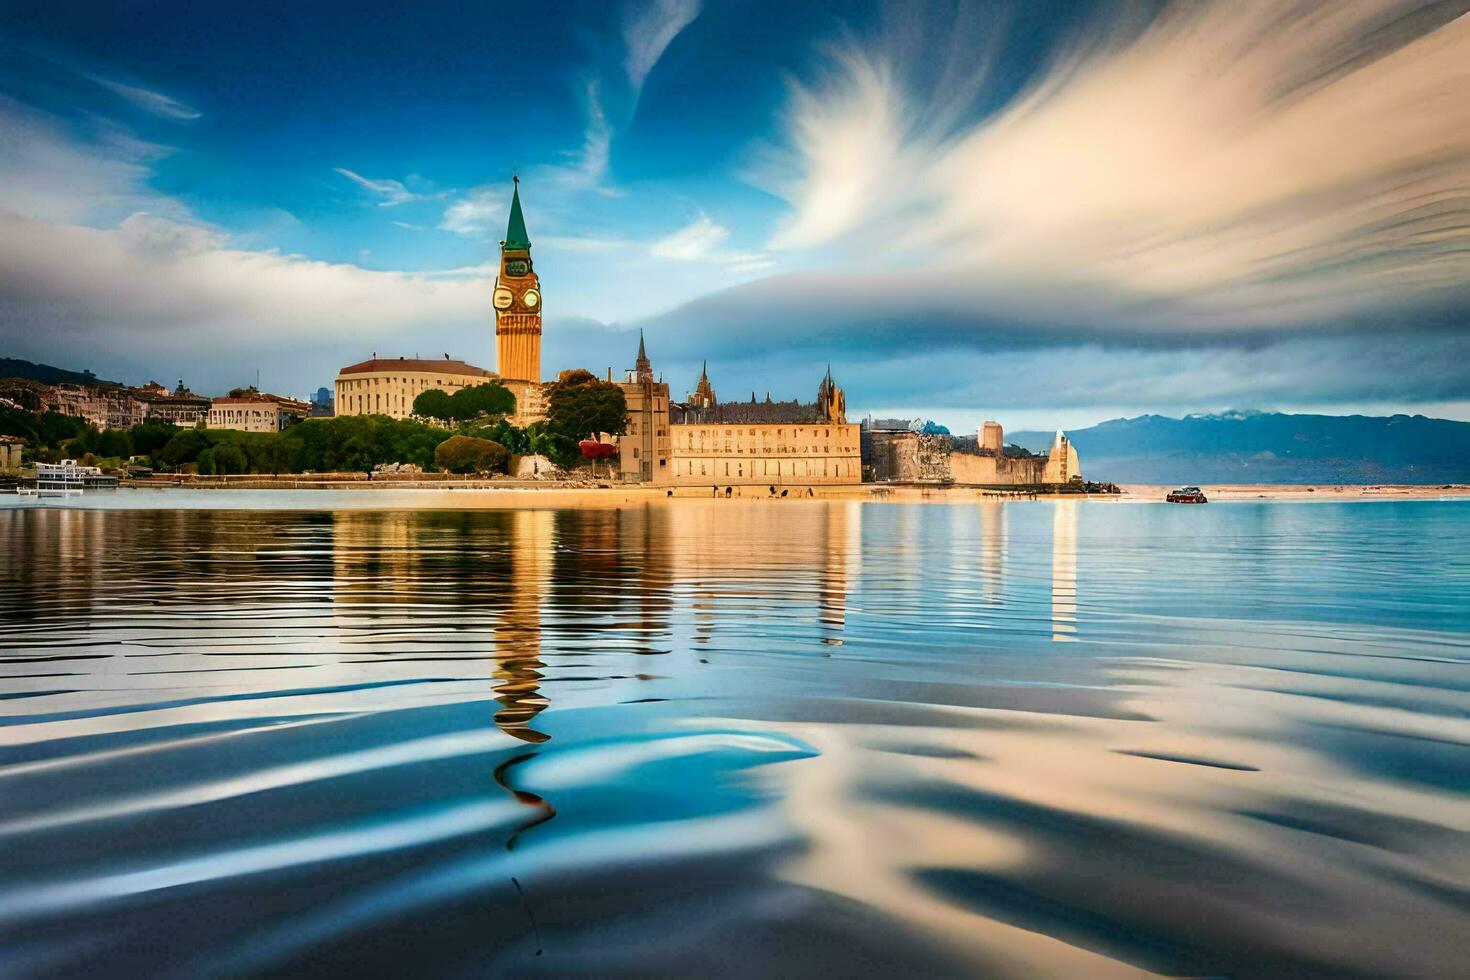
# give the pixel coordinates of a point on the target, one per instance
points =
(643, 367)
(704, 393)
(515, 230)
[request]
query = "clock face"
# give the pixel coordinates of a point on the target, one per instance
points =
(503, 298)
(531, 298)
(517, 267)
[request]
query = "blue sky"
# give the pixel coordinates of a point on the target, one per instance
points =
(1044, 212)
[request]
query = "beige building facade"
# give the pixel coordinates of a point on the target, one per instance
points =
(389, 385)
(247, 414)
(773, 444)
(779, 455)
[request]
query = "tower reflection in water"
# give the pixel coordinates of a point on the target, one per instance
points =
(1064, 571)
(517, 634)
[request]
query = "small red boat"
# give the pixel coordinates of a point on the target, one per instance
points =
(1187, 495)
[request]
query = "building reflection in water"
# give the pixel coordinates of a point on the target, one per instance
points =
(842, 545)
(517, 633)
(992, 551)
(1064, 571)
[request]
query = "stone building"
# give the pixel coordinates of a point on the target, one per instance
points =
(780, 444)
(11, 448)
(898, 454)
(644, 446)
(893, 452)
(181, 406)
(389, 385)
(105, 406)
(249, 410)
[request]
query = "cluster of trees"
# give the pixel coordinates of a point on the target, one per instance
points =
(482, 438)
(44, 432)
(466, 404)
(50, 436)
(350, 443)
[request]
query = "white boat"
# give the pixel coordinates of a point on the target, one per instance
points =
(67, 478)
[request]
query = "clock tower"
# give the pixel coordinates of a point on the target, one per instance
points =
(517, 302)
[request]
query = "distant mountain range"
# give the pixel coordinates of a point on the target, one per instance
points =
(1269, 447)
(46, 374)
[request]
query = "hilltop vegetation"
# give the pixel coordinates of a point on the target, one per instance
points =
(11, 367)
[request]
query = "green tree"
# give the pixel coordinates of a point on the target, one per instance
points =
(434, 404)
(467, 454)
(184, 447)
(516, 441)
(151, 436)
(468, 404)
(578, 405)
(205, 461)
(228, 458)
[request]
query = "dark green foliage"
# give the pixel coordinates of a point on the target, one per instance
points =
(578, 405)
(350, 443)
(106, 443)
(480, 400)
(467, 454)
(516, 441)
(42, 432)
(151, 436)
(466, 404)
(434, 404)
(229, 458)
(184, 447)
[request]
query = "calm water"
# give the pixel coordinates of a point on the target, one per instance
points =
(742, 738)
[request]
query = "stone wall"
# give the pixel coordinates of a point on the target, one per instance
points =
(909, 457)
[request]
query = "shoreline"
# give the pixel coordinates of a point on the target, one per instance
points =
(295, 494)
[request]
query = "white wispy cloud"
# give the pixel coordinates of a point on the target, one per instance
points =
(701, 241)
(648, 30)
(391, 192)
(166, 283)
(587, 167)
(47, 174)
(476, 213)
(693, 242)
(146, 99)
(1233, 164)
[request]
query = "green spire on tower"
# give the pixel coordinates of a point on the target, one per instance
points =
(515, 231)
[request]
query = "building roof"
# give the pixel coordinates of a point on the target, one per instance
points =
(383, 365)
(515, 229)
(746, 413)
(262, 400)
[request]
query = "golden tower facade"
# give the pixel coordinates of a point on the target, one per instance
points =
(517, 302)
